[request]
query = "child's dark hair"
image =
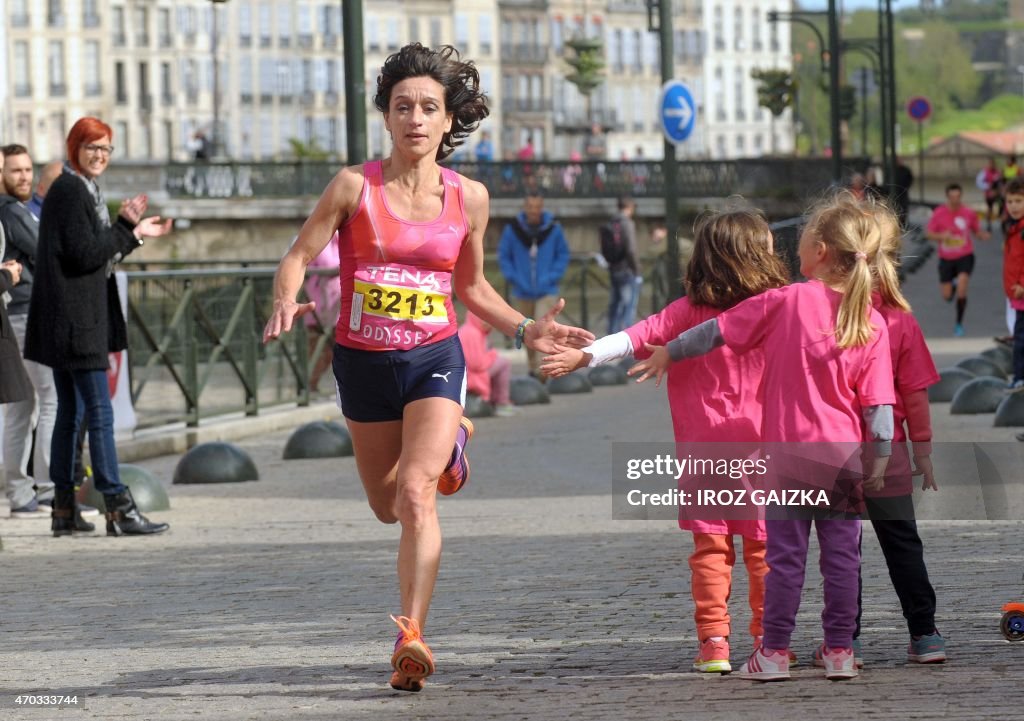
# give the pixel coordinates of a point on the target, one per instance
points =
(463, 98)
(1014, 187)
(954, 186)
(732, 259)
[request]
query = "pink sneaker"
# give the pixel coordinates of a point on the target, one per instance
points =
(792, 656)
(766, 665)
(713, 657)
(839, 663)
(456, 475)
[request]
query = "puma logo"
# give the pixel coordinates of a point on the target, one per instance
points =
(439, 375)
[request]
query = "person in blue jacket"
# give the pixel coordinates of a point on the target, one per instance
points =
(533, 255)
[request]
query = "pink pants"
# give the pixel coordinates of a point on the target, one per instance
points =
(501, 378)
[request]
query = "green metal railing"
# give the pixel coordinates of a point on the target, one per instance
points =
(195, 335)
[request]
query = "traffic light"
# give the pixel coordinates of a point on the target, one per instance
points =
(847, 102)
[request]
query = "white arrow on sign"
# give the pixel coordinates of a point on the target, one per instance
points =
(683, 112)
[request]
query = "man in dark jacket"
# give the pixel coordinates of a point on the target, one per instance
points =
(623, 269)
(29, 498)
(533, 256)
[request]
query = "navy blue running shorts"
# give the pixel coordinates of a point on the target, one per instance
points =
(376, 385)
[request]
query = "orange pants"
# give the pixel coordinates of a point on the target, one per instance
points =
(711, 564)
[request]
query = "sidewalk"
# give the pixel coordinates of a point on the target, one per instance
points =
(270, 599)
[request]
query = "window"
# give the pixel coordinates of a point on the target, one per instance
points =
(759, 143)
(558, 35)
(484, 35)
(266, 135)
(166, 92)
(117, 25)
(755, 29)
(721, 150)
(245, 87)
(120, 86)
(265, 24)
(615, 50)
(332, 76)
(679, 46)
(92, 68)
(90, 13)
(639, 105)
(145, 101)
(626, 47)
(741, 145)
(22, 86)
(741, 104)
(414, 30)
(305, 26)
(330, 20)
(393, 31)
(435, 32)
(285, 87)
(652, 49)
(163, 27)
(55, 61)
(462, 32)
(19, 13)
(371, 32)
(55, 13)
(245, 24)
(718, 28)
(284, 24)
(773, 37)
(737, 32)
(638, 52)
(142, 27)
(307, 76)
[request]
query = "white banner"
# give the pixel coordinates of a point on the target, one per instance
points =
(117, 372)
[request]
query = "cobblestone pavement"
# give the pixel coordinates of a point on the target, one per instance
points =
(270, 599)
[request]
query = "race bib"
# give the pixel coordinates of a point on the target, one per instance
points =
(398, 306)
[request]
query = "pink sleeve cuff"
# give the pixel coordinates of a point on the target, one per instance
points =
(919, 418)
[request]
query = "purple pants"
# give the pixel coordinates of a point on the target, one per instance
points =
(839, 541)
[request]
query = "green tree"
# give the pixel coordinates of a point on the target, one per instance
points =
(776, 91)
(587, 66)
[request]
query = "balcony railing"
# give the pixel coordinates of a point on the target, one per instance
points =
(524, 53)
(527, 105)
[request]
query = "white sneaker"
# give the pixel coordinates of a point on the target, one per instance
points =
(839, 663)
(506, 411)
(761, 666)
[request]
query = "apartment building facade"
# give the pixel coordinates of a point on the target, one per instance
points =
(147, 68)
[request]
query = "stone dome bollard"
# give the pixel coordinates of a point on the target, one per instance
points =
(950, 381)
(319, 439)
(980, 395)
(573, 383)
(148, 492)
(215, 462)
(608, 375)
(980, 366)
(477, 407)
(1010, 412)
(1001, 356)
(526, 390)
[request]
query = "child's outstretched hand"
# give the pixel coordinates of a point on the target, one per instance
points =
(923, 467)
(657, 365)
(564, 361)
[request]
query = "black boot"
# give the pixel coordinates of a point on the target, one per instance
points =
(82, 525)
(63, 515)
(124, 518)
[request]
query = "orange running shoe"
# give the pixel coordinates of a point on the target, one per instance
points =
(412, 659)
(456, 475)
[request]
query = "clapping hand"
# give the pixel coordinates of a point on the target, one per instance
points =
(152, 227)
(14, 268)
(132, 208)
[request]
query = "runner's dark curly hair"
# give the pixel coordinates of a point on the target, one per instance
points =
(460, 80)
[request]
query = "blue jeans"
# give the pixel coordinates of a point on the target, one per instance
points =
(622, 305)
(84, 394)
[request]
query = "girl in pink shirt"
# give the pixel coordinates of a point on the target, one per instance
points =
(892, 508)
(827, 387)
(713, 398)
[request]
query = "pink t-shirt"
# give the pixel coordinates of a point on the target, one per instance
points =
(914, 370)
(713, 398)
(961, 224)
(813, 390)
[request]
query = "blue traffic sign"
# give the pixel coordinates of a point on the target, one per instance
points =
(919, 108)
(677, 110)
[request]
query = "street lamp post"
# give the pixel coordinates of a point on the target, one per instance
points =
(830, 48)
(214, 43)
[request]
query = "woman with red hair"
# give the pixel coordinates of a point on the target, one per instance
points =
(75, 320)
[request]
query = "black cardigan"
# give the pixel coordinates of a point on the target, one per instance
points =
(14, 382)
(74, 318)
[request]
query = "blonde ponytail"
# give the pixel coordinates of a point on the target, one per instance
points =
(887, 261)
(853, 236)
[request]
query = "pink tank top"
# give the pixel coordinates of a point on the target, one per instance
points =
(396, 275)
